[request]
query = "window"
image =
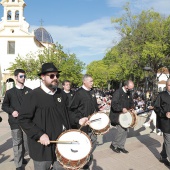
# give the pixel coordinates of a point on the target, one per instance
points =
(9, 15)
(17, 15)
(11, 47)
(13, 0)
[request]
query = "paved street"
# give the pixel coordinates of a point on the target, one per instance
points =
(143, 150)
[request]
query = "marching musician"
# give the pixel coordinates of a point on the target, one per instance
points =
(83, 105)
(162, 110)
(67, 89)
(44, 117)
(122, 101)
(11, 105)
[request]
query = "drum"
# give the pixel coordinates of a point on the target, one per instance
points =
(128, 119)
(73, 156)
(99, 123)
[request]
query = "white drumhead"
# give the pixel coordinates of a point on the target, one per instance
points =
(125, 119)
(99, 124)
(74, 151)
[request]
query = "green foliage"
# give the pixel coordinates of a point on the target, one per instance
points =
(145, 41)
(99, 71)
(71, 70)
(70, 66)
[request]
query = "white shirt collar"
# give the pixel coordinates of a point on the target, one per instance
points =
(66, 91)
(47, 90)
(124, 89)
(19, 87)
(85, 88)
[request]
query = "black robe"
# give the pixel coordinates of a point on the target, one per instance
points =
(83, 104)
(12, 102)
(119, 101)
(69, 95)
(161, 107)
(43, 113)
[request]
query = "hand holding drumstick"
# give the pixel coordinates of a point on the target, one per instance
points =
(44, 139)
(124, 110)
(84, 121)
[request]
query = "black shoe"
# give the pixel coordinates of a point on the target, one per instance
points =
(123, 150)
(24, 161)
(114, 149)
(165, 161)
(19, 168)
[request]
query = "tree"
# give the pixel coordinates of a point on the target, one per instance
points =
(70, 66)
(143, 42)
(99, 71)
(72, 70)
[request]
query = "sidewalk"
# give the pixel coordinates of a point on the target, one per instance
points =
(143, 151)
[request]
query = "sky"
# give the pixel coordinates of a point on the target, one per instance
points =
(84, 27)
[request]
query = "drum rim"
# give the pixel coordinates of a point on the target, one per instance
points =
(134, 119)
(77, 130)
(108, 125)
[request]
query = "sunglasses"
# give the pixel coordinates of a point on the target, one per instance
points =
(53, 75)
(22, 76)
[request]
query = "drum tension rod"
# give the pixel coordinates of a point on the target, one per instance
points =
(78, 163)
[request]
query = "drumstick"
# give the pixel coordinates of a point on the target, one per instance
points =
(63, 142)
(84, 123)
(90, 121)
(94, 120)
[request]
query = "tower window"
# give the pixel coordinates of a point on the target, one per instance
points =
(17, 15)
(11, 47)
(9, 15)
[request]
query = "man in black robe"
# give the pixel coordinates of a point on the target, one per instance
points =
(44, 117)
(83, 105)
(12, 104)
(67, 89)
(162, 110)
(121, 102)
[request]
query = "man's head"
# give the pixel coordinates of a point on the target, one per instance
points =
(128, 85)
(88, 81)
(20, 76)
(168, 85)
(50, 75)
(66, 85)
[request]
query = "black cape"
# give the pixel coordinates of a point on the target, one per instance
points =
(12, 102)
(83, 104)
(43, 113)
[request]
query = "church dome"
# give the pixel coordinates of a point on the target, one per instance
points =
(43, 36)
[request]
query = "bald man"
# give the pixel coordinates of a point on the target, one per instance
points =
(122, 101)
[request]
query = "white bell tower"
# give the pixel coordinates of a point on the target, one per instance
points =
(15, 37)
(14, 15)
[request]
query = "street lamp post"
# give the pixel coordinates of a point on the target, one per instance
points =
(146, 69)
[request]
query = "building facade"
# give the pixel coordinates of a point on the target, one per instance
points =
(17, 40)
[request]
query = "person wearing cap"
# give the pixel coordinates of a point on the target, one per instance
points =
(44, 117)
(12, 104)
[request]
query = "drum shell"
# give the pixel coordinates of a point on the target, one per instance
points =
(133, 119)
(73, 164)
(104, 129)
